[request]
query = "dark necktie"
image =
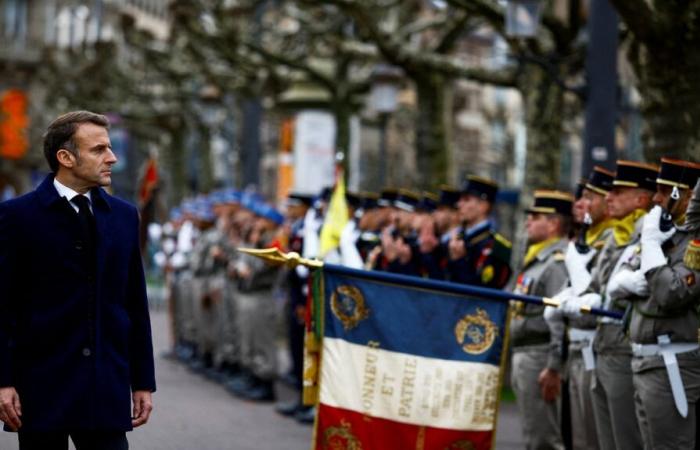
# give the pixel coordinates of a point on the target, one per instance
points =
(87, 223)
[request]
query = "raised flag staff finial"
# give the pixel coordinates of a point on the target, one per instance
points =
(276, 257)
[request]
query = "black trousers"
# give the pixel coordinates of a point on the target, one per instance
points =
(83, 440)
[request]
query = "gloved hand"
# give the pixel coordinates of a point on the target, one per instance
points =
(555, 313)
(651, 240)
(572, 307)
(577, 266)
(626, 282)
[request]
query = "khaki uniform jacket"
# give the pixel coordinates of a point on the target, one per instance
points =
(610, 337)
(671, 307)
(544, 276)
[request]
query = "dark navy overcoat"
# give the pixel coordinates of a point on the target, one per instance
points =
(75, 338)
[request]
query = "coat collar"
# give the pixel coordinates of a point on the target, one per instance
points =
(49, 195)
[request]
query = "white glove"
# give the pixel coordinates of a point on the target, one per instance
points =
(572, 307)
(626, 282)
(651, 240)
(577, 266)
(555, 313)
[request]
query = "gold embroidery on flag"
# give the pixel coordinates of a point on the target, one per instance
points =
(348, 305)
(341, 438)
(476, 332)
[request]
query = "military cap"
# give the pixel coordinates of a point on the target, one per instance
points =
(600, 180)
(406, 200)
(369, 200)
(482, 188)
(578, 191)
(387, 197)
(552, 202)
(428, 202)
(678, 173)
(636, 174)
(354, 200)
(268, 212)
(298, 199)
(449, 196)
(232, 196)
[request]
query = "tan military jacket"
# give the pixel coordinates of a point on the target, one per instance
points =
(671, 307)
(611, 336)
(544, 276)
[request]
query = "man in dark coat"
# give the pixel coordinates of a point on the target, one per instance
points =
(75, 336)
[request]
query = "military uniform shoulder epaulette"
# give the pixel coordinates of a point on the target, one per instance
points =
(501, 247)
(558, 256)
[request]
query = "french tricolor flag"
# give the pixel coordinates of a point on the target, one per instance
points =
(407, 363)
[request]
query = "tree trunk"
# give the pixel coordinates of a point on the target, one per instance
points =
(543, 101)
(342, 111)
(670, 90)
(175, 163)
(432, 129)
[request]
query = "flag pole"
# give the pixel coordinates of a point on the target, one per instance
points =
(292, 259)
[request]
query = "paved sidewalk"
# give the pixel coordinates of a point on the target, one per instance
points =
(193, 413)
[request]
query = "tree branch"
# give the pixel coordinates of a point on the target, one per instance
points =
(639, 18)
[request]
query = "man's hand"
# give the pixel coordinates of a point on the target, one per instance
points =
(10, 408)
(550, 384)
(143, 406)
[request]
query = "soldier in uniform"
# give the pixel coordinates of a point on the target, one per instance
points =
(478, 255)
(432, 253)
(537, 353)
(257, 314)
(611, 385)
(297, 206)
(580, 359)
(664, 324)
(349, 253)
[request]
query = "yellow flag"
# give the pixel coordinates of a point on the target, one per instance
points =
(336, 218)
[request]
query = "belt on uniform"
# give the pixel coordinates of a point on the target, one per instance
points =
(669, 351)
(585, 336)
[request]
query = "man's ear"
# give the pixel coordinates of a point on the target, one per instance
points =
(65, 158)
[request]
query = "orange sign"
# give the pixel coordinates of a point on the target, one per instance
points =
(14, 122)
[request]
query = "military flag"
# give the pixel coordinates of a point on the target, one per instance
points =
(405, 363)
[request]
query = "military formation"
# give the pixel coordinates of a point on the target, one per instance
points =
(626, 241)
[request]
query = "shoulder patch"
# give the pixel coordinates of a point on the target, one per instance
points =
(691, 259)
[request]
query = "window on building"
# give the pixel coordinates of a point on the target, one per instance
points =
(14, 14)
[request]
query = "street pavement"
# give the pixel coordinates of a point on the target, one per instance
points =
(194, 413)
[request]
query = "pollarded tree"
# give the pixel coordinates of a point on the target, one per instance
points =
(664, 51)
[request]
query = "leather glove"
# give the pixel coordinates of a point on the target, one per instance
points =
(577, 266)
(651, 240)
(626, 282)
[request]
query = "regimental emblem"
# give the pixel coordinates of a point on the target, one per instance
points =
(460, 445)
(348, 305)
(691, 259)
(476, 332)
(340, 438)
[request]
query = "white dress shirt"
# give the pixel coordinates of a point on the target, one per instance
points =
(69, 194)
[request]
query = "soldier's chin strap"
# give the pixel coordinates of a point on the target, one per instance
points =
(692, 216)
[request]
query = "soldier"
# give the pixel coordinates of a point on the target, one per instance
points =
(478, 255)
(664, 324)
(297, 207)
(203, 301)
(537, 353)
(432, 254)
(446, 215)
(611, 385)
(257, 314)
(595, 232)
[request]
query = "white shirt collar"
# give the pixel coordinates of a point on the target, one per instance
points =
(68, 193)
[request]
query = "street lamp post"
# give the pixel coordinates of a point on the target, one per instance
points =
(522, 20)
(384, 100)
